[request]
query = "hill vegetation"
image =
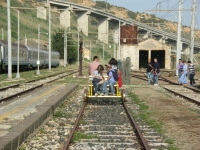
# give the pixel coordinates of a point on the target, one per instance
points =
(29, 24)
(29, 28)
(149, 19)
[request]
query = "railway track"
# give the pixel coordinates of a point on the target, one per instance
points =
(109, 124)
(9, 92)
(189, 93)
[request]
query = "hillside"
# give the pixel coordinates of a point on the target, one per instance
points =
(29, 27)
(29, 24)
(161, 24)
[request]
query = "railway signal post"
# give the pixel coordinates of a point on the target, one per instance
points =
(80, 57)
(38, 61)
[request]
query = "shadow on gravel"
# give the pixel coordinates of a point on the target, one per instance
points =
(104, 101)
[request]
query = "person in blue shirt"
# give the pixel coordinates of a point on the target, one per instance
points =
(183, 77)
(111, 81)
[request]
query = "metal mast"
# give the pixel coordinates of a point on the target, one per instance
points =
(192, 31)
(49, 34)
(18, 75)
(9, 42)
(65, 48)
(178, 44)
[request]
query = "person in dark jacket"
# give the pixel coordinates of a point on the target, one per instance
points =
(156, 67)
(149, 71)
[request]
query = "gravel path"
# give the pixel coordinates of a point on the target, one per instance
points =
(53, 134)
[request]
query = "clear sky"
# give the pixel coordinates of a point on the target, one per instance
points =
(143, 5)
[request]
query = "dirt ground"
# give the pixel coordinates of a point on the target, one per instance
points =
(181, 120)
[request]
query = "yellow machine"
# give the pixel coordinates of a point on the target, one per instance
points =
(88, 93)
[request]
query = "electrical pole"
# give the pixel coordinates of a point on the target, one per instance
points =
(119, 34)
(9, 42)
(18, 75)
(192, 31)
(49, 34)
(38, 62)
(114, 50)
(2, 34)
(178, 51)
(103, 51)
(90, 51)
(65, 47)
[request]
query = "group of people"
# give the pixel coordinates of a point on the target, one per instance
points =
(152, 71)
(183, 70)
(96, 70)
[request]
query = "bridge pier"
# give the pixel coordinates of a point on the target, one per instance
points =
(82, 21)
(103, 29)
(116, 32)
(65, 18)
(41, 13)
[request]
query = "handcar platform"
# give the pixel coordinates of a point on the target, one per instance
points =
(89, 92)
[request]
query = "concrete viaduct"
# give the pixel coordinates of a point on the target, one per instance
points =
(145, 32)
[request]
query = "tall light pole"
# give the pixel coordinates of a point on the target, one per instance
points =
(103, 50)
(65, 49)
(2, 36)
(9, 42)
(18, 75)
(178, 51)
(119, 46)
(192, 31)
(90, 51)
(38, 61)
(49, 35)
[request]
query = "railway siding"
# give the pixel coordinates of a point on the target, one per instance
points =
(24, 115)
(184, 92)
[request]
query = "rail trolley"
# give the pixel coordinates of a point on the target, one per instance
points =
(88, 92)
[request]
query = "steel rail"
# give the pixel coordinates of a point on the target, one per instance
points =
(66, 145)
(141, 138)
(174, 83)
(12, 86)
(20, 93)
(34, 80)
(183, 96)
(33, 88)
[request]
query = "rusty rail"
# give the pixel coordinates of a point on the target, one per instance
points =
(31, 89)
(142, 140)
(183, 96)
(66, 146)
(12, 86)
(20, 93)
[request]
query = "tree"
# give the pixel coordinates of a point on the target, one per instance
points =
(58, 45)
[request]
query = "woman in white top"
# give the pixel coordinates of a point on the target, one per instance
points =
(97, 77)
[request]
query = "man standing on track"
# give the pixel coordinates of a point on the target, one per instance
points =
(191, 70)
(149, 71)
(156, 67)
